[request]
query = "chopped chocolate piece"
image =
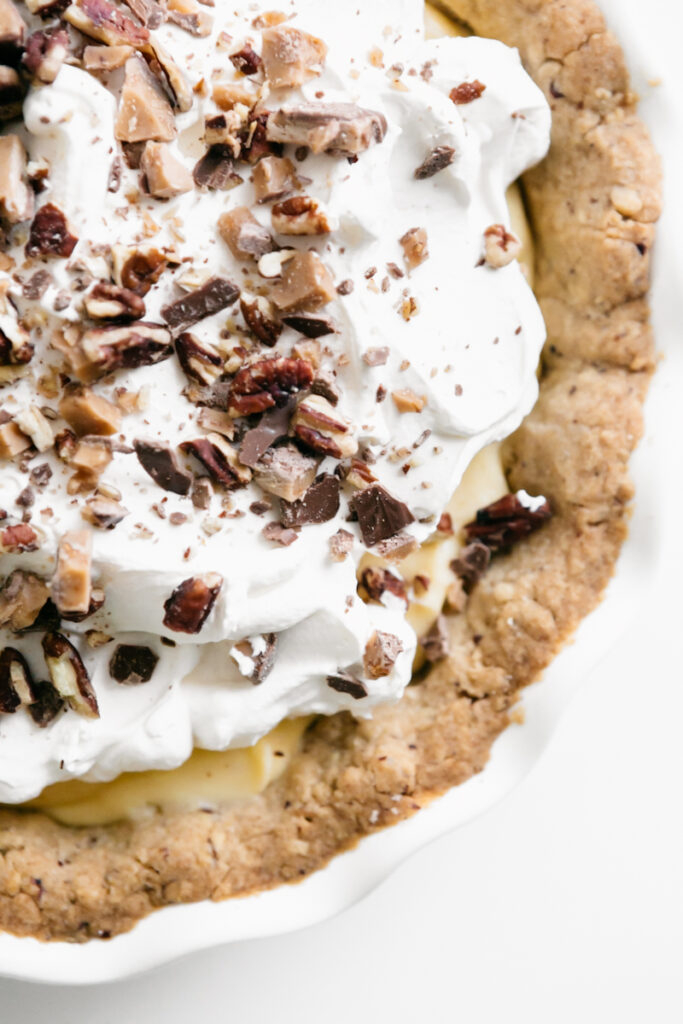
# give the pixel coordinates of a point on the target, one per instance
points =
(274, 178)
(103, 512)
(300, 215)
(244, 236)
(105, 349)
(105, 58)
(44, 54)
(191, 603)
(435, 643)
(286, 472)
(131, 664)
(26, 498)
(381, 652)
(260, 318)
(311, 325)
(507, 520)
(199, 359)
(321, 427)
(246, 60)
(272, 426)
(47, 703)
(69, 675)
(267, 383)
(500, 246)
(16, 681)
(102, 21)
(466, 92)
(166, 177)
(341, 129)
(201, 493)
(189, 16)
(277, 533)
(398, 547)
(305, 286)
(376, 356)
(137, 269)
(161, 464)
(319, 504)
(440, 157)
(380, 515)
(255, 656)
(376, 582)
(50, 234)
(220, 460)
(291, 56)
(144, 112)
(341, 544)
(218, 293)
(148, 12)
(41, 475)
(112, 302)
(414, 244)
(471, 564)
(22, 596)
(344, 682)
(406, 400)
(216, 170)
(71, 583)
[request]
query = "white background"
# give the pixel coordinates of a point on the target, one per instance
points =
(565, 902)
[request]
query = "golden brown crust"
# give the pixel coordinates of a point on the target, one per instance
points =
(593, 203)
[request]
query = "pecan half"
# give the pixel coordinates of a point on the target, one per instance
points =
(16, 198)
(381, 652)
(71, 583)
(105, 349)
(380, 515)
(323, 428)
(218, 293)
(132, 664)
(220, 460)
(341, 129)
(144, 111)
(112, 302)
(199, 359)
(285, 472)
(300, 215)
(69, 675)
(501, 246)
(160, 462)
(244, 236)
(267, 383)
(16, 681)
(22, 596)
(291, 56)
(260, 318)
(305, 285)
(44, 54)
(191, 603)
(255, 656)
(319, 504)
(508, 520)
(89, 413)
(50, 234)
(101, 20)
(166, 177)
(274, 178)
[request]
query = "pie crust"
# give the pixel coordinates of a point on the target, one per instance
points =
(593, 204)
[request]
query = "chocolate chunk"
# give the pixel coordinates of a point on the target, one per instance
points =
(49, 234)
(273, 425)
(162, 465)
(131, 664)
(466, 92)
(471, 564)
(103, 512)
(435, 643)
(190, 604)
(279, 534)
(47, 704)
(502, 523)
(375, 582)
(381, 652)
(440, 157)
(244, 236)
(380, 515)
(319, 504)
(311, 325)
(216, 170)
(218, 293)
(344, 682)
(341, 129)
(246, 60)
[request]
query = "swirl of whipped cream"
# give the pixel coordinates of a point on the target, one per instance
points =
(470, 351)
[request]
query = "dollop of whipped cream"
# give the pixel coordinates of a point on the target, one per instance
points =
(462, 336)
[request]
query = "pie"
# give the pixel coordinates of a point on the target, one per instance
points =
(591, 204)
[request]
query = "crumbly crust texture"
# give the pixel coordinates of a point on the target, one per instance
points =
(593, 204)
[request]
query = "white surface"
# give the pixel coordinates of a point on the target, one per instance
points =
(564, 901)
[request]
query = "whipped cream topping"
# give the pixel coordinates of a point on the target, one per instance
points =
(464, 337)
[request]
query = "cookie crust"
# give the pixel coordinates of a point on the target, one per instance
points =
(593, 204)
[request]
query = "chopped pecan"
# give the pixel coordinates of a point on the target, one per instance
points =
(260, 318)
(300, 215)
(414, 244)
(286, 472)
(161, 464)
(137, 269)
(507, 520)
(102, 21)
(71, 583)
(35, 425)
(500, 246)
(45, 53)
(357, 473)
(132, 664)
(291, 56)
(105, 58)
(246, 60)
(380, 515)
(112, 302)
(188, 15)
(274, 178)
(166, 177)
(144, 112)
(267, 383)
(18, 538)
(471, 564)
(381, 652)
(216, 170)
(375, 582)
(321, 427)
(326, 386)
(218, 293)
(440, 157)
(16, 681)
(199, 359)
(341, 544)
(22, 596)
(345, 682)
(13, 441)
(16, 347)
(191, 603)
(319, 504)
(50, 234)
(306, 284)
(104, 349)
(89, 413)
(105, 513)
(46, 8)
(466, 92)
(244, 236)
(69, 675)
(341, 129)
(255, 656)
(220, 460)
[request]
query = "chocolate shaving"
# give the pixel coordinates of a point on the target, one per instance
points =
(471, 564)
(162, 465)
(319, 504)
(344, 682)
(190, 604)
(132, 664)
(380, 515)
(218, 293)
(440, 157)
(502, 523)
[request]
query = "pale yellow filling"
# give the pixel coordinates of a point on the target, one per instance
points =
(209, 778)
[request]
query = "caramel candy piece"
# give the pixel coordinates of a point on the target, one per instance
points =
(166, 176)
(71, 583)
(306, 284)
(35, 425)
(414, 244)
(144, 112)
(244, 236)
(274, 178)
(12, 440)
(22, 596)
(227, 95)
(188, 15)
(105, 58)
(89, 413)
(341, 129)
(406, 400)
(16, 197)
(300, 215)
(12, 26)
(291, 56)
(101, 20)
(286, 472)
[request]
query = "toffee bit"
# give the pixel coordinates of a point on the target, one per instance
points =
(466, 92)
